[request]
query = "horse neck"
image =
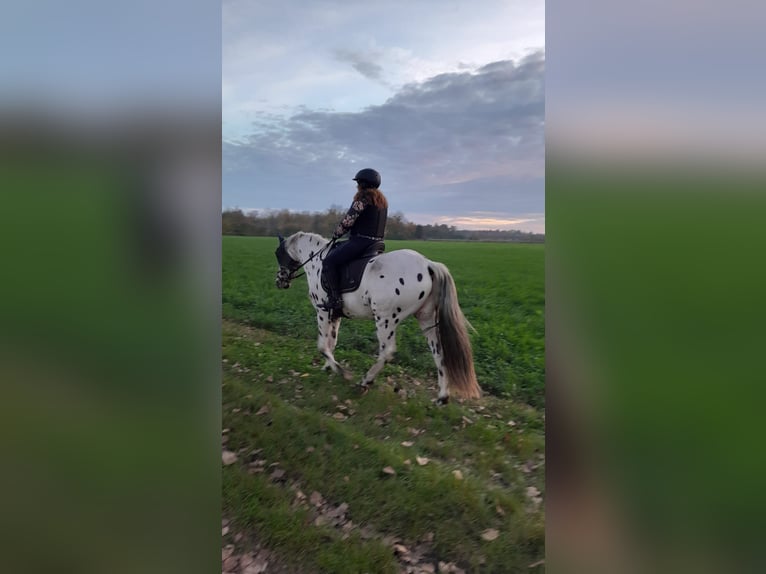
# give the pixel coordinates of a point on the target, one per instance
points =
(308, 244)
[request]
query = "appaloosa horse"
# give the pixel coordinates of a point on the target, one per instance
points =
(394, 286)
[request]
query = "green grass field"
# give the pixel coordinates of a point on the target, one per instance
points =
(463, 485)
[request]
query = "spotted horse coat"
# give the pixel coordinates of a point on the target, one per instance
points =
(395, 285)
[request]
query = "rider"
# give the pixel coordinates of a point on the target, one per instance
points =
(366, 224)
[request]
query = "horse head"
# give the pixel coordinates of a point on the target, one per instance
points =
(287, 265)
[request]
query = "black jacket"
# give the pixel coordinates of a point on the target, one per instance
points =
(363, 219)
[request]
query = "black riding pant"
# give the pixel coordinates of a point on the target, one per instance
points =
(339, 256)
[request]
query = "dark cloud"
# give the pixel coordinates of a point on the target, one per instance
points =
(362, 63)
(458, 141)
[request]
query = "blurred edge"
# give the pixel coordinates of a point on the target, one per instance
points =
(109, 340)
(655, 282)
(110, 299)
(654, 321)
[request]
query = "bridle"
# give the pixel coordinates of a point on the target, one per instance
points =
(287, 262)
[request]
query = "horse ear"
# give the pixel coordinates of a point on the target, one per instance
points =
(281, 239)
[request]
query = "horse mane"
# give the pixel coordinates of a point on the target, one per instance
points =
(290, 241)
(311, 236)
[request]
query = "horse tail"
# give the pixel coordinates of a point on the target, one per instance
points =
(453, 334)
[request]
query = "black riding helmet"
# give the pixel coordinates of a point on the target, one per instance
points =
(368, 178)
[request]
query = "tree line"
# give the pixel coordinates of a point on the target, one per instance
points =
(284, 222)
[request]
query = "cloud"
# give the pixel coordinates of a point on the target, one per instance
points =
(463, 140)
(362, 63)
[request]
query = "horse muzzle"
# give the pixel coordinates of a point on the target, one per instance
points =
(282, 281)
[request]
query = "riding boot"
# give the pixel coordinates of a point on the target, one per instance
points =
(333, 304)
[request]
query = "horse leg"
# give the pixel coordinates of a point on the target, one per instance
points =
(326, 342)
(386, 330)
(426, 317)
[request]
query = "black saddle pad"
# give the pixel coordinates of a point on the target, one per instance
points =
(351, 273)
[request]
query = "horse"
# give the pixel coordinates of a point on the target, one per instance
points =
(394, 286)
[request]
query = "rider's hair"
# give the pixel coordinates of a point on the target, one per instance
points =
(375, 197)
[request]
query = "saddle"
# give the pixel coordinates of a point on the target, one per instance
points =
(350, 275)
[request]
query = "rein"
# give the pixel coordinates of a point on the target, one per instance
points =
(292, 271)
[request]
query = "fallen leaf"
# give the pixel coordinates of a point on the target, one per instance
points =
(499, 510)
(263, 410)
(315, 498)
(448, 567)
(304, 375)
(458, 475)
(227, 551)
(224, 531)
(534, 495)
(310, 449)
(230, 563)
(277, 474)
(427, 568)
(258, 566)
(346, 479)
(490, 534)
(407, 443)
(400, 549)
(407, 462)
(270, 379)
(467, 420)
(422, 461)
(224, 431)
(535, 564)
(511, 423)
(228, 457)
(389, 470)
(236, 410)
(339, 417)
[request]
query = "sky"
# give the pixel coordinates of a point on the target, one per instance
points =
(445, 99)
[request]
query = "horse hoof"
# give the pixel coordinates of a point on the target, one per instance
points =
(442, 401)
(364, 387)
